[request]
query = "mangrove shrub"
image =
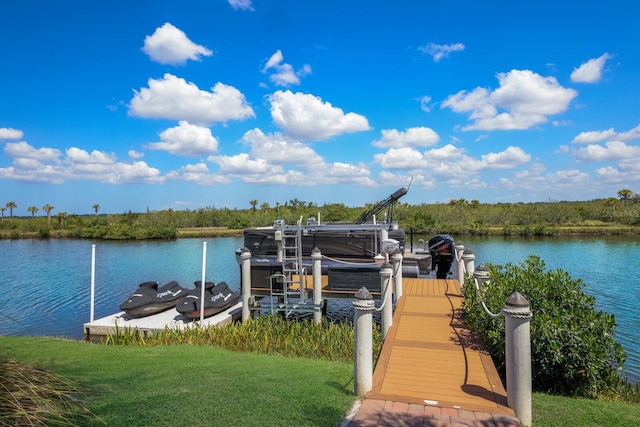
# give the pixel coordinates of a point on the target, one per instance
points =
(573, 349)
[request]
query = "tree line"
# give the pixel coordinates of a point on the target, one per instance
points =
(458, 216)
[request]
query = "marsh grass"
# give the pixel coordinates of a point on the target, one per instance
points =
(36, 397)
(271, 334)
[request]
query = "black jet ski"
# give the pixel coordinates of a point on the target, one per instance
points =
(150, 299)
(217, 298)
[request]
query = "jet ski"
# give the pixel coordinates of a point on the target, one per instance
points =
(150, 299)
(217, 298)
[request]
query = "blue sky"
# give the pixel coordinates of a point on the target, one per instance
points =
(162, 104)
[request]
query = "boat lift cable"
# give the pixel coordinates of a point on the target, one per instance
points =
(388, 202)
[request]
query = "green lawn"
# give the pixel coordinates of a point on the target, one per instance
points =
(202, 386)
(193, 385)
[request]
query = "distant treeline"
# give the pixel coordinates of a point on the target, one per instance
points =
(456, 217)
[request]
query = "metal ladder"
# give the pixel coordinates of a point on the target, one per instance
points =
(291, 284)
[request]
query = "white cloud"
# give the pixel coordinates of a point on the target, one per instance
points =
(439, 51)
(630, 135)
(186, 140)
(593, 136)
(307, 117)
(277, 149)
(416, 136)
(590, 71)
(48, 165)
(525, 98)
(198, 174)
(135, 154)
(613, 150)
(10, 133)
(175, 98)
(284, 74)
(241, 4)
(170, 45)
(507, 159)
(404, 158)
(24, 150)
(80, 156)
(424, 103)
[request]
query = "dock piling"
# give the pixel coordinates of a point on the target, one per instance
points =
(316, 256)
(243, 256)
(386, 295)
(518, 355)
(363, 350)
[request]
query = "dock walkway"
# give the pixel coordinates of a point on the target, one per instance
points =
(430, 370)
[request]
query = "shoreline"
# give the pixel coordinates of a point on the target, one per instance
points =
(513, 231)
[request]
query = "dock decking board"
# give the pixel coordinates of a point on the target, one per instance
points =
(426, 358)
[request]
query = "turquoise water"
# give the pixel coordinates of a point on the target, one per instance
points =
(46, 283)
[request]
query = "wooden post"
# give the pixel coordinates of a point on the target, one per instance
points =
(363, 350)
(518, 355)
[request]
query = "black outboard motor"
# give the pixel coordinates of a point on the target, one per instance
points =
(442, 252)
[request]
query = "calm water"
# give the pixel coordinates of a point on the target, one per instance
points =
(45, 286)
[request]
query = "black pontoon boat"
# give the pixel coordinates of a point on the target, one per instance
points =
(150, 299)
(217, 298)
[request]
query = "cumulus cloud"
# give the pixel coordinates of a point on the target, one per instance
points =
(307, 117)
(590, 71)
(593, 136)
(630, 135)
(416, 136)
(439, 51)
(279, 150)
(170, 45)
(198, 174)
(186, 140)
(448, 164)
(523, 100)
(50, 165)
(174, 98)
(24, 150)
(10, 133)
(612, 150)
(283, 73)
(241, 4)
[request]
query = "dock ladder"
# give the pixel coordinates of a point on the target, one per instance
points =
(291, 282)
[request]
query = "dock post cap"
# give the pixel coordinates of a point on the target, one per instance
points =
(363, 294)
(517, 300)
(316, 252)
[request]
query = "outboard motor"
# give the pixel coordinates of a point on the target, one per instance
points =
(442, 250)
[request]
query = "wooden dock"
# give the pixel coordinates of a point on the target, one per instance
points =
(429, 357)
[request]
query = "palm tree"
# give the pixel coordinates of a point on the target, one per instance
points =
(2, 209)
(48, 208)
(96, 208)
(61, 217)
(33, 210)
(625, 194)
(253, 204)
(11, 206)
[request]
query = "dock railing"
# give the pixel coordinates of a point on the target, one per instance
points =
(517, 334)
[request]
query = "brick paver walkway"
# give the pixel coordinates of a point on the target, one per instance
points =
(374, 413)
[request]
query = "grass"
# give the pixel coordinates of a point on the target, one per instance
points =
(558, 411)
(168, 385)
(192, 385)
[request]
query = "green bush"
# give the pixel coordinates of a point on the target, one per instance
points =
(573, 349)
